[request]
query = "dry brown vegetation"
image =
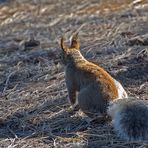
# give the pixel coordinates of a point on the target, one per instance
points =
(34, 109)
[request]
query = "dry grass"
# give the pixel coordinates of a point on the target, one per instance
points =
(34, 110)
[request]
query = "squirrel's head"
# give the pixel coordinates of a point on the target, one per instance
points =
(67, 52)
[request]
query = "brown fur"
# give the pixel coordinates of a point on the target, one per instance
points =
(95, 87)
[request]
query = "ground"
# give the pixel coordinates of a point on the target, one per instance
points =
(34, 107)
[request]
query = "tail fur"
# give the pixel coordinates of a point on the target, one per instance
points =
(130, 118)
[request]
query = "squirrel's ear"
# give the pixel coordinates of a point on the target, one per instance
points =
(62, 44)
(75, 42)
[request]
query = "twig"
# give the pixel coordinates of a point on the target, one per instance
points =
(7, 81)
(12, 132)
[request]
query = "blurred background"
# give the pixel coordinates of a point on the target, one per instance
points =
(33, 95)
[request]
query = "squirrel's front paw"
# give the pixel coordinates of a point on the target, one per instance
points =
(75, 107)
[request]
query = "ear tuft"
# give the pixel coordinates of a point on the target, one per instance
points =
(62, 43)
(75, 42)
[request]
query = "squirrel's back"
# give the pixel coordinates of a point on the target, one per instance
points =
(130, 118)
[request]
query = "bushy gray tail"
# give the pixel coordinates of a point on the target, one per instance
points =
(130, 118)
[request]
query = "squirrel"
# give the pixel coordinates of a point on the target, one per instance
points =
(97, 93)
